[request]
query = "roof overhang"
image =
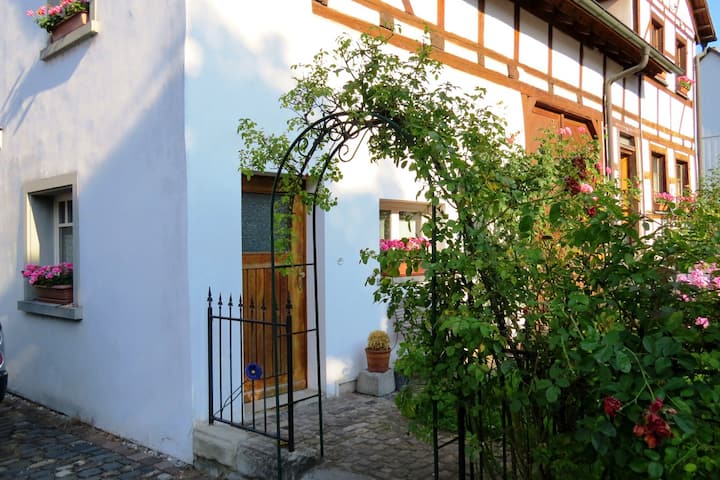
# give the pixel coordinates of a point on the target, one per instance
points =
(591, 24)
(704, 28)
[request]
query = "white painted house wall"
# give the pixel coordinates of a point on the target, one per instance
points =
(109, 110)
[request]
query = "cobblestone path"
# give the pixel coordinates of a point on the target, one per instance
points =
(365, 438)
(37, 444)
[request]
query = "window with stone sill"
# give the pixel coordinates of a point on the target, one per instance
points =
(82, 33)
(51, 221)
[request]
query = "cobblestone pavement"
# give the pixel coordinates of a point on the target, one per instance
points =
(365, 438)
(37, 444)
(367, 435)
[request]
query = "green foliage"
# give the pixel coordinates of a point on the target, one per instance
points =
(550, 306)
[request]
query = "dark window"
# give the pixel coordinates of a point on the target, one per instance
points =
(682, 177)
(659, 176)
(681, 54)
(657, 35)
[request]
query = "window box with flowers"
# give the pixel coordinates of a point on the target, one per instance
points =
(403, 257)
(52, 283)
(68, 22)
(52, 291)
(684, 84)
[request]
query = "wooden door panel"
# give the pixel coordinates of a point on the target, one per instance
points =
(257, 298)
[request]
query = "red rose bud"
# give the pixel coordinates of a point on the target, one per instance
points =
(611, 406)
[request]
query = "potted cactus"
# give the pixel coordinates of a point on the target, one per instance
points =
(378, 351)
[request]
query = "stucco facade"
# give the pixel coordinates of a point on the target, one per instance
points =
(709, 131)
(143, 115)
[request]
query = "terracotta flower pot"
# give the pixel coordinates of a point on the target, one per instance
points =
(403, 271)
(60, 294)
(68, 25)
(378, 361)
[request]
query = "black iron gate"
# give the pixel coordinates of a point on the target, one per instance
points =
(239, 366)
(251, 382)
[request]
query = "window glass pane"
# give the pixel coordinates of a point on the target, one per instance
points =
(66, 244)
(658, 166)
(682, 177)
(385, 224)
(410, 223)
(61, 212)
(256, 222)
(681, 54)
(69, 211)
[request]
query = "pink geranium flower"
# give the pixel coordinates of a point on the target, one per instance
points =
(702, 322)
(48, 275)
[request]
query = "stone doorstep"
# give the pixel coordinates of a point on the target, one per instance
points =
(222, 450)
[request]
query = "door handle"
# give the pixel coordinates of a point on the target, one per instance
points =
(301, 278)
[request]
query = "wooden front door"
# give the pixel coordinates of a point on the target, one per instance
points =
(290, 275)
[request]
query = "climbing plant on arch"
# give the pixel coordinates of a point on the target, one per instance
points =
(558, 332)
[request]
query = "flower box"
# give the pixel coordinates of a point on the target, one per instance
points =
(59, 20)
(403, 271)
(60, 294)
(52, 283)
(684, 84)
(68, 25)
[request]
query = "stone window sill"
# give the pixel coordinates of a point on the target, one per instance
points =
(65, 312)
(73, 38)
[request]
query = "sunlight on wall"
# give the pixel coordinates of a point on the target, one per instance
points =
(338, 369)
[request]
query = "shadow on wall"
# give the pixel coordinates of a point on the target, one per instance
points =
(40, 78)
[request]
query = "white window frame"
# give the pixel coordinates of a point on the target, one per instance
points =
(64, 197)
(395, 207)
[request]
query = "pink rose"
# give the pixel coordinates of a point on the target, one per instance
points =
(702, 322)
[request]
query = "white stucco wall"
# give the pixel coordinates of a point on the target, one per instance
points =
(111, 111)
